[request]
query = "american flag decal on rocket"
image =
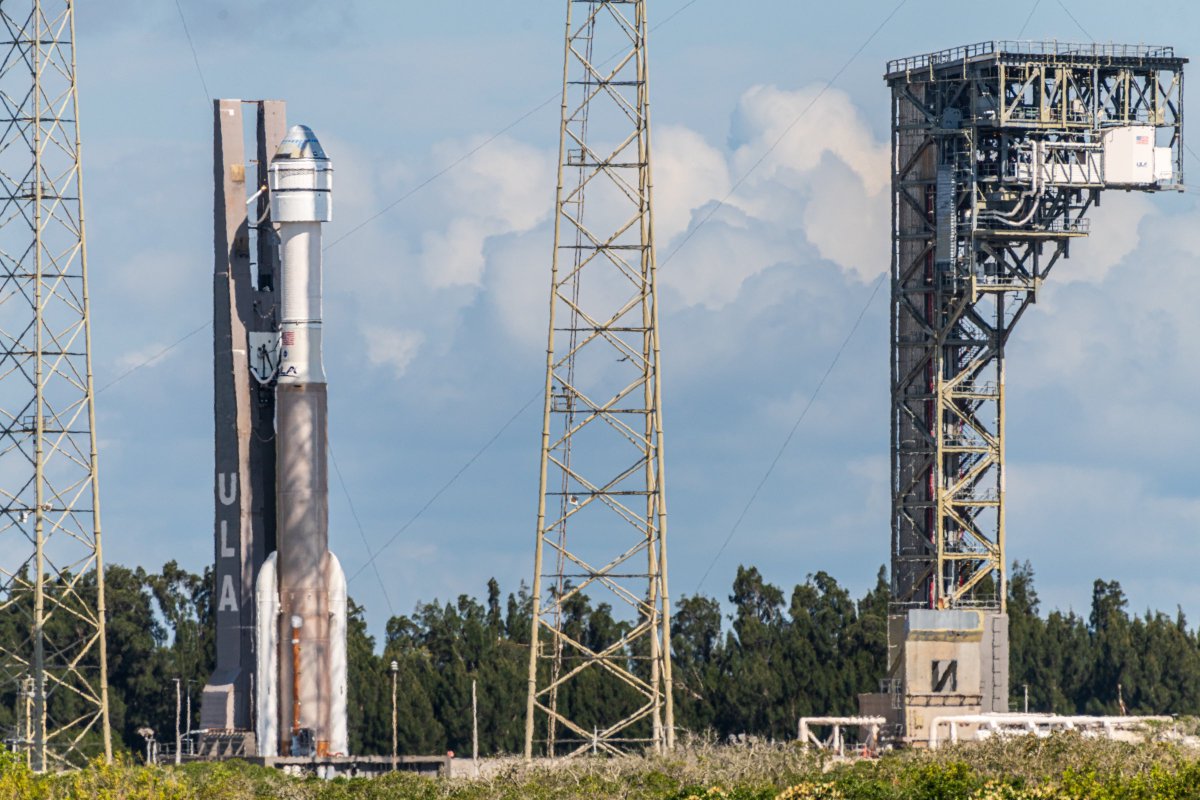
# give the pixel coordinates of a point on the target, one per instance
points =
(289, 338)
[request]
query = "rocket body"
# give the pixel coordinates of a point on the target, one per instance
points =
(301, 591)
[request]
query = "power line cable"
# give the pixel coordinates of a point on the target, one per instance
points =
(147, 362)
(792, 433)
(672, 15)
(362, 533)
(207, 98)
(407, 195)
(441, 172)
(688, 236)
(454, 478)
(1029, 18)
(192, 47)
(736, 185)
(1077, 23)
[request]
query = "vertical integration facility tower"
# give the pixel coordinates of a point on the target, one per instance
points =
(601, 522)
(999, 150)
(51, 572)
(245, 310)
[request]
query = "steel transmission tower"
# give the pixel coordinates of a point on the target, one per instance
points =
(51, 570)
(601, 528)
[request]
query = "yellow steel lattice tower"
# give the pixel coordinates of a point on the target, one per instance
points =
(51, 575)
(601, 526)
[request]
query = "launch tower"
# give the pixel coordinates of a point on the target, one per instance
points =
(601, 523)
(999, 150)
(245, 308)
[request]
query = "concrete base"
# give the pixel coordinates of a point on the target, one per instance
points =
(357, 766)
(941, 663)
(218, 745)
(225, 745)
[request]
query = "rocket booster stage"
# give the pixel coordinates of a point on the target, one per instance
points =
(301, 590)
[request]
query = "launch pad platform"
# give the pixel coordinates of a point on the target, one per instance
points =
(356, 766)
(240, 745)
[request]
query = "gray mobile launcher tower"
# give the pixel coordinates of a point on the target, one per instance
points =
(279, 688)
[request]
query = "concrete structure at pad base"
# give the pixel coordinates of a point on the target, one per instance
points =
(329, 767)
(999, 152)
(224, 746)
(941, 663)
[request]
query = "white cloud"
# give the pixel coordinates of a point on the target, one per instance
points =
(847, 224)
(149, 356)
(688, 173)
(392, 348)
(711, 269)
(753, 309)
(1109, 350)
(518, 283)
(802, 126)
(506, 187)
(819, 149)
(1114, 235)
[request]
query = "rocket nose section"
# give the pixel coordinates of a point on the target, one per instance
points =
(300, 181)
(300, 142)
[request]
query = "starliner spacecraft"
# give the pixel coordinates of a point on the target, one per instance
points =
(279, 688)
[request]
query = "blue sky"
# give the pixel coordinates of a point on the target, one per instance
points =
(435, 311)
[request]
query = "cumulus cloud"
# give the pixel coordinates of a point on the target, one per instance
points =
(1114, 235)
(504, 188)
(791, 130)
(392, 348)
(518, 283)
(688, 173)
(148, 356)
(834, 174)
(822, 186)
(716, 261)
(1111, 348)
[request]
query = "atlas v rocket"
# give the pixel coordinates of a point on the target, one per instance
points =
(279, 687)
(300, 594)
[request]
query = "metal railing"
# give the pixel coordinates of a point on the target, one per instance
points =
(1034, 48)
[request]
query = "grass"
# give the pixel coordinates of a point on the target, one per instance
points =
(1063, 766)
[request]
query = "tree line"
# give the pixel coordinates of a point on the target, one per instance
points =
(753, 667)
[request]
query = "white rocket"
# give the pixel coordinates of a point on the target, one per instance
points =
(301, 590)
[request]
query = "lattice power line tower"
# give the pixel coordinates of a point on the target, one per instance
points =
(51, 571)
(999, 151)
(601, 526)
